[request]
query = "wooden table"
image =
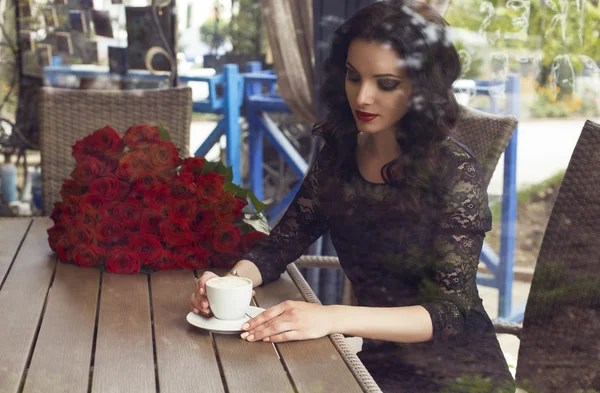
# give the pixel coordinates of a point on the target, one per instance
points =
(67, 329)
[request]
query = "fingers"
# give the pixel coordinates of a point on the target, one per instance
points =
(283, 337)
(270, 328)
(199, 302)
(266, 315)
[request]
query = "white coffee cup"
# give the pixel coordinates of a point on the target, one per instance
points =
(229, 297)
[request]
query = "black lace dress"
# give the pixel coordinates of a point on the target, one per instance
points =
(400, 256)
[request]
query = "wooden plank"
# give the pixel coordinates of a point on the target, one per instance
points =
(12, 232)
(185, 355)
(315, 365)
(61, 361)
(22, 300)
(249, 367)
(124, 358)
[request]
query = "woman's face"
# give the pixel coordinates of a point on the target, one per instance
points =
(377, 86)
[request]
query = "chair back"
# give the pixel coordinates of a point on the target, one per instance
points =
(68, 115)
(486, 135)
(560, 339)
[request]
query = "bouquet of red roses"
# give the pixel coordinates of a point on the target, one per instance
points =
(133, 204)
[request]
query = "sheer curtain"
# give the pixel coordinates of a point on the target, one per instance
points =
(290, 29)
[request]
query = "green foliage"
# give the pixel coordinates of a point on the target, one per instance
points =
(245, 31)
(474, 68)
(475, 384)
(214, 34)
(544, 32)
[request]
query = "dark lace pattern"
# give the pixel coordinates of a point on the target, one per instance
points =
(396, 257)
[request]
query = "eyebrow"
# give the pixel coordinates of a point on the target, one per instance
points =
(378, 75)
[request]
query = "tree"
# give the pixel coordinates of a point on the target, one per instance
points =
(506, 25)
(245, 30)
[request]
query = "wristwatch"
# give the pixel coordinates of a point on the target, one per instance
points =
(233, 273)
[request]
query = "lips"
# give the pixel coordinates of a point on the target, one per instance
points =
(365, 116)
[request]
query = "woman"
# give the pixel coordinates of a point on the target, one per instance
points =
(406, 207)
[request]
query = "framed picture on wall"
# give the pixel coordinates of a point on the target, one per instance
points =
(44, 54)
(64, 43)
(78, 21)
(50, 17)
(142, 34)
(102, 23)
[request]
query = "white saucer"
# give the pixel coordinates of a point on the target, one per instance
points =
(215, 325)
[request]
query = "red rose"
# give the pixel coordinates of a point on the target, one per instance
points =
(81, 235)
(138, 137)
(89, 170)
(91, 203)
(148, 247)
(251, 239)
(227, 208)
(90, 220)
(193, 165)
(226, 238)
(130, 213)
(175, 232)
(56, 212)
(88, 255)
(55, 234)
(132, 165)
(110, 231)
(192, 257)
(106, 141)
(121, 259)
(124, 188)
(157, 196)
(209, 187)
(151, 220)
(163, 156)
(70, 188)
(183, 186)
(202, 221)
(108, 211)
(72, 213)
(141, 184)
(181, 208)
(64, 249)
(166, 261)
(224, 260)
(109, 186)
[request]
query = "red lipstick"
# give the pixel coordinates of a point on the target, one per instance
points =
(365, 116)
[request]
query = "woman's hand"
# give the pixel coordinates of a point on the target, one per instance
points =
(290, 321)
(198, 300)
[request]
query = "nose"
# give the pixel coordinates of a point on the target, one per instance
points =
(365, 95)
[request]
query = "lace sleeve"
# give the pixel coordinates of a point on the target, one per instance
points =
(458, 242)
(302, 224)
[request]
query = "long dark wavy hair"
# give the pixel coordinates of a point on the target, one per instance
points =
(417, 32)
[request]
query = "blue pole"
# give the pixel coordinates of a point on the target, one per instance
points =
(255, 137)
(509, 205)
(232, 119)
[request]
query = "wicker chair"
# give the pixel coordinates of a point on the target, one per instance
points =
(486, 135)
(560, 343)
(68, 115)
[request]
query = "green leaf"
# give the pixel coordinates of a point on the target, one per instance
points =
(229, 175)
(245, 194)
(256, 222)
(163, 133)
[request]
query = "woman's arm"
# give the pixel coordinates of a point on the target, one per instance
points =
(303, 222)
(410, 324)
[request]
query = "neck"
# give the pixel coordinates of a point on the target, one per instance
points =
(384, 145)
